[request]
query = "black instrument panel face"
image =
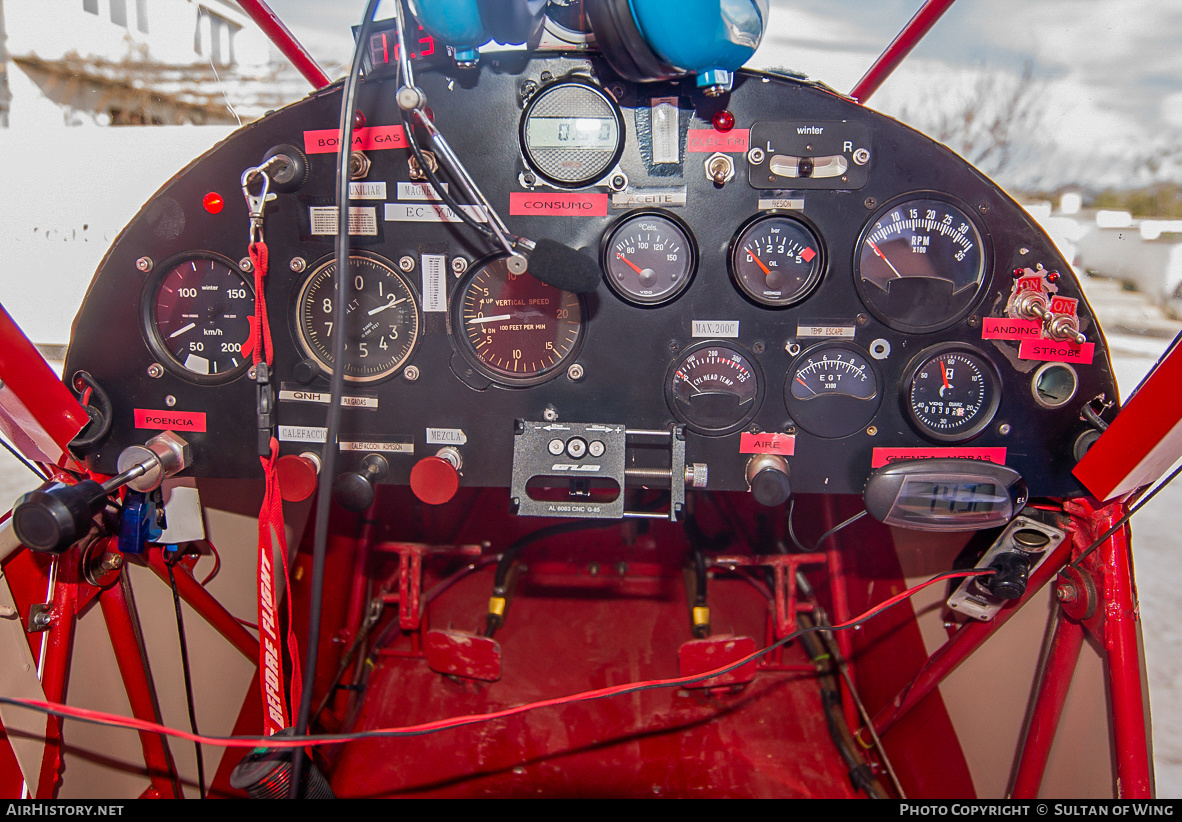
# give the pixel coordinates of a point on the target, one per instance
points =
(837, 290)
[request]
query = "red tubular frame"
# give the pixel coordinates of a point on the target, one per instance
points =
(900, 47)
(285, 41)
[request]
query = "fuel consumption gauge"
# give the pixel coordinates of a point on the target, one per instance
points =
(776, 260)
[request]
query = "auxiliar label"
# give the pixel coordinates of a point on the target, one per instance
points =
(885, 456)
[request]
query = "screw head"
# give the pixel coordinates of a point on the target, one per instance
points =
(298, 264)
(245, 264)
(406, 263)
(411, 373)
(575, 372)
(144, 264)
(458, 265)
(155, 370)
(758, 347)
(870, 202)
(170, 400)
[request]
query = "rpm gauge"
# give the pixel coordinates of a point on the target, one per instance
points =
(776, 261)
(920, 265)
(198, 313)
(382, 320)
(515, 328)
(832, 390)
(714, 388)
(952, 392)
(649, 258)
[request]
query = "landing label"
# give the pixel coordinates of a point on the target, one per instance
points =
(1001, 328)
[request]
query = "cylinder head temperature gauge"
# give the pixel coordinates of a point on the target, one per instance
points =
(649, 257)
(776, 260)
(714, 388)
(951, 393)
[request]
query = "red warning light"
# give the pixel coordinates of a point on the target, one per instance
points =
(723, 120)
(213, 202)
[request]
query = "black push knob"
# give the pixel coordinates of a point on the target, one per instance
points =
(1013, 572)
(354, 491)
(767, 475)
(55, 516)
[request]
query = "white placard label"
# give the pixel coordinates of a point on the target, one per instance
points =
(666, 131)
(792, 203)
(323, 397)
(649, 197)
(429, 213)
(446, 436)
(363, 220)
(716, 328)
(302, 433)
(383, 447)
(803, 330)
(368, 191)
(419, 191)
(434, 282)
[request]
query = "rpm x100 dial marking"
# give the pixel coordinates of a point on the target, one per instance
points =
(953, 393)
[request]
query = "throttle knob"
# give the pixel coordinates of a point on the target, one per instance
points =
(54, 517)
(354, 491)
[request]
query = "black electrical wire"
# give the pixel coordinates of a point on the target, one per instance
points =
(1128, 514)
(836, 528)
(336, 390)
(22, 460)
(169, 561)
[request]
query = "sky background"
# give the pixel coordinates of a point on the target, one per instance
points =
(1107, 90)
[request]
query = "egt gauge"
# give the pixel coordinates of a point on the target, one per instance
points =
(196, 314)
(832, 390)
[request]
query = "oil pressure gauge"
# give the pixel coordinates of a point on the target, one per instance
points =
(776, 260)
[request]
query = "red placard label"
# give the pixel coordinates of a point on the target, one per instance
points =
(1000, 328)
(1052, 351)
(885, 456)
(707, 139)
(1030, 283)
(1064, 305)
(326, 140)
(558, 205)
(783, 444)
(170, 420)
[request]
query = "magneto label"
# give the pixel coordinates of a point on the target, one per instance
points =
(1052, 351)
(885, 456)
(323, 141)
(1001, 328)
(709, 140)
(783, 444)
(419, 191)
(558, 205)
(170, 420)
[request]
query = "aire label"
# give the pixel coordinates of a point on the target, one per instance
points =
(710, 140)
(558, 205)
(782, 444)
(170, 420)
(885, 456)
(323, 141)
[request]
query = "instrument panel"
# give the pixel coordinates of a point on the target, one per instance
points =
(784, 273)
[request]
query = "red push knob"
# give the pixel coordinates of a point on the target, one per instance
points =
(434, 480)
(297, 476)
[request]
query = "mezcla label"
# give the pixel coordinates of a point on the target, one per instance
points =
(446, 436)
